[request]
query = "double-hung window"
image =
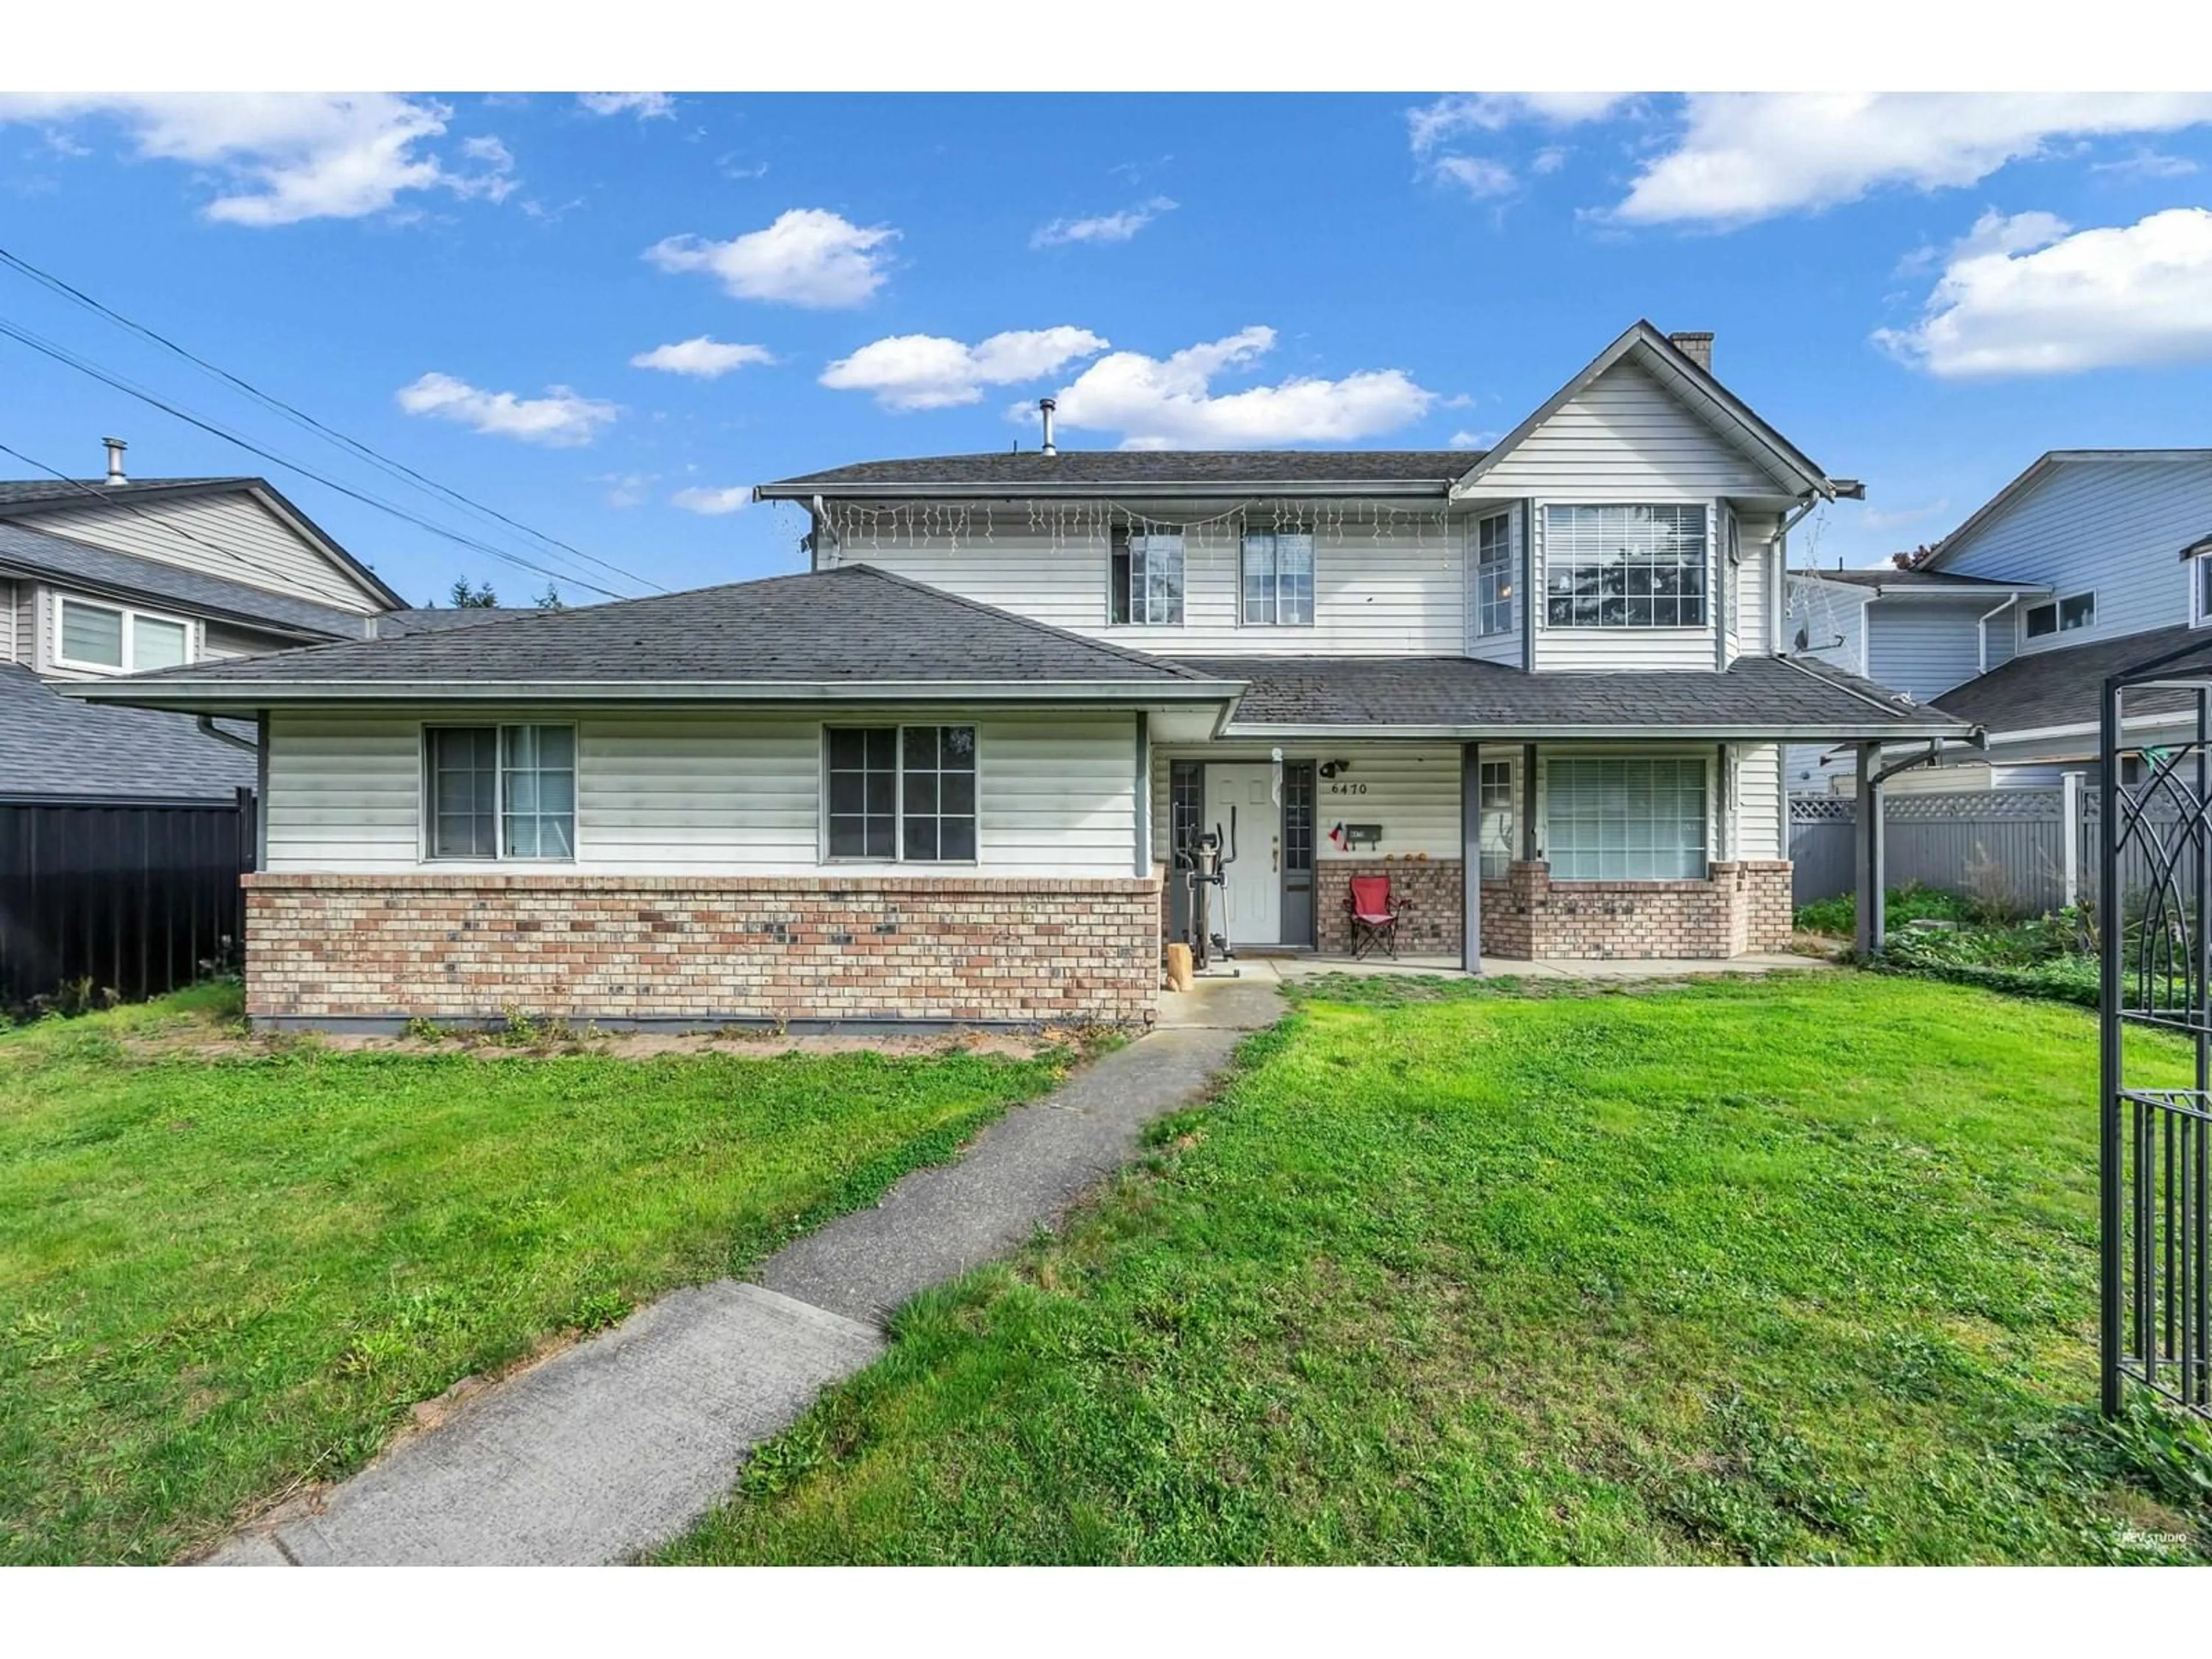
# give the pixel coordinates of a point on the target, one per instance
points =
(1145, 582)
(1279, 578)
(1497, 803)
(1624, 567)
(106, 636)
(502, 792)
(1626, 819)
(901, 792)
(1493, 575)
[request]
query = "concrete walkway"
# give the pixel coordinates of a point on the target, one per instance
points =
(616, 1445)
(1277, 970)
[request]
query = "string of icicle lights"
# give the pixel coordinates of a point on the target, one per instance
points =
(1061, 525)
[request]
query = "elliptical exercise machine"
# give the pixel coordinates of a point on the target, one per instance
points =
(1203, 859)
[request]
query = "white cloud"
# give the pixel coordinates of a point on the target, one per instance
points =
(562, 418)
(2022, 296)
(1158, 403)
(284, 157)
(702, 356)
(734, 167)
(1875, 519)
(1550, 159)
(2148, 163)
(808, 257)
(1465, 440)
(625, 490)
(927, 371)
(645, 105)
(1744, 156)
(1433, 125)
(1104, 228)
(1478, 175)
(713, 503)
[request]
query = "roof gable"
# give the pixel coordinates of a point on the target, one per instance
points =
(243, 529)
(2038, 472)
(1640, 357)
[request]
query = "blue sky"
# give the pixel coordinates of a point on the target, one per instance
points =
(1925, 293)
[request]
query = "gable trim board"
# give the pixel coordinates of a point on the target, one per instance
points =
(184, 520)
(1795, 473)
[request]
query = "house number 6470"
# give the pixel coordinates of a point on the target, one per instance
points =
(1347, 789)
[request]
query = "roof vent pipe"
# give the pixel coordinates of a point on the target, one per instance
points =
(1045, 406)
(115, 449)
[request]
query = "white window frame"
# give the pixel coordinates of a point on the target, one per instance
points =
(130, 615)
(1138, 548)
(1485, 600)
(2056, 605)
(2200, 578)
(898, 730)
(1497, 853)
(1708, 582)
(1274, 601)
(2088, 622)
(426, 837)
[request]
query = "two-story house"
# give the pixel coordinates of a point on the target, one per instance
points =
(949, 772)
(2089, 562)
(104, 578)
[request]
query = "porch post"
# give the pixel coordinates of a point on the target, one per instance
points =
(1528, 802)
(1470, 854)
(1871, 886)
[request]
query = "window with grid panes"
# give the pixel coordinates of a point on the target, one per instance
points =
(1624, 818)
(1624, 567)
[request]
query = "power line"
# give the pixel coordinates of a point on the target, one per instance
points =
(62, 354)
(300, 417)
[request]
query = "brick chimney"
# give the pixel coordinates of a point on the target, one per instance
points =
(1698, 348)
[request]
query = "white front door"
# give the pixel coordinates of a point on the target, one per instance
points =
(1249, 908)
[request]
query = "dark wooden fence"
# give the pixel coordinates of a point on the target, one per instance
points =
(132, 896)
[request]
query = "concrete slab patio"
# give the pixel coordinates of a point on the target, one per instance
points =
(1281, 969)
(616, 1445)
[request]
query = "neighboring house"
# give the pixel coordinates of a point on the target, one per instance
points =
(2073, 570)
(947, 774)
(101, 580)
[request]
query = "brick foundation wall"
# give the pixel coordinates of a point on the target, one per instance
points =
(465, 947)
(1744, 907)
(1427, 891)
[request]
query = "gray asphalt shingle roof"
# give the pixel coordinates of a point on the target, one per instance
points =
(1889, 576)
(2062, 687)
(854, 624)
(50, 745)
(50, 492)
(33, 552)
(435, 619)
(1235, 469)
(1767, 693)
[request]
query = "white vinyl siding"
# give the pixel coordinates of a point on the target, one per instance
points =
(1625, 438)
(685, 793)
(1411, 790)
(1925, 647)
(231, 535)
(1397, 590)
(227, 640)
(1759, 826)
(2116, 526)
(1753, 582)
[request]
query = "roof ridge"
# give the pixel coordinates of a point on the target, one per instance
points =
(1141, 659)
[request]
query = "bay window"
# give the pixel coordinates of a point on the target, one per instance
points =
(1493, 575)
(501, 791)
(901, 792)
(1626, 819)
(1624, 567)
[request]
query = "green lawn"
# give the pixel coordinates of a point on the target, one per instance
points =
(1792, 1270)
(223, 1273)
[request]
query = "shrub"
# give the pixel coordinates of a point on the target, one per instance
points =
(1910, 903)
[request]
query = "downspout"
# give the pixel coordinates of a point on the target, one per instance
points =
(209, 729)
(1981, 634)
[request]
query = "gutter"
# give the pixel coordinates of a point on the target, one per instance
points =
(1523, 731)
(1005, 491)
(190, 697)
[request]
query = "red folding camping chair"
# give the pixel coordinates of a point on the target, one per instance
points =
(1374, 913)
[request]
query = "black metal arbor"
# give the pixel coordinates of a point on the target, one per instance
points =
(2154, 915)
